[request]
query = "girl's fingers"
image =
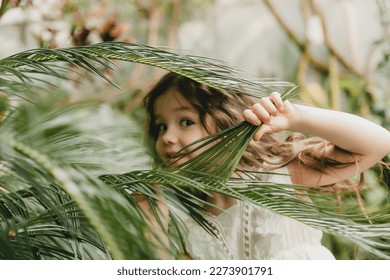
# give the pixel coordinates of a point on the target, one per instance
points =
(288, 106)
(266, 108)
(268, 105)
(251, 117)
(261, 112)
(265, 112)
(277, 100)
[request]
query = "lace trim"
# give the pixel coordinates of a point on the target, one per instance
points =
(262, 234)
(245, 210)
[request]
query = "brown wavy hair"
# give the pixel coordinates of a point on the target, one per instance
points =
(226, 109)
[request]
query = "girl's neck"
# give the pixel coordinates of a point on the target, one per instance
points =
(220, 202)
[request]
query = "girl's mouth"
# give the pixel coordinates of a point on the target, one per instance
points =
(173, 159)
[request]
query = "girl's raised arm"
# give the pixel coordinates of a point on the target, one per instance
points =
(359, 139)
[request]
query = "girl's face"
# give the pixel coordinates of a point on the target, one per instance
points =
(178, 125)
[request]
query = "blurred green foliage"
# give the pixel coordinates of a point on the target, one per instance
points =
(158, 22)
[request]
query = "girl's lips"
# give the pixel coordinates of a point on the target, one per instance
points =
(173, 156)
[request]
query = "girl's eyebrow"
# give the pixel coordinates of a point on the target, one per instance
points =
(179, 109)
(184, 108)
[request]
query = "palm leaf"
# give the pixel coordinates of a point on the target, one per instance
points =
(91, 196)
(227, 149)
(21, 70)
(214, 73)
(371, 233)
(221, 159)
(52, 205)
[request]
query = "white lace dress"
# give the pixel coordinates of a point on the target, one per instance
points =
(247, 231)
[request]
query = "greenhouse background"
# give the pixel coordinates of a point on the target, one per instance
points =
(337, 51)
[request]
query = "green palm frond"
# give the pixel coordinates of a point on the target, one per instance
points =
(214, 73)
(226, 151)
(367, 229)
(53, 206)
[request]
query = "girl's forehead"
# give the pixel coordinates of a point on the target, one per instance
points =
(172, 100)
(175, 95)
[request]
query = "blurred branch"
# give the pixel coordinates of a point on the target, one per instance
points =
(384, 14)
(3, 7)
(304, 60)
(350, 67)
(293, 36)
(176, 6)
(302, 45)
(155, 15)
(335, 94)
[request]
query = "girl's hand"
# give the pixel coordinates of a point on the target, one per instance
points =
(273, 113)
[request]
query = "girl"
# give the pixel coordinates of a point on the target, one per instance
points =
(181, 111)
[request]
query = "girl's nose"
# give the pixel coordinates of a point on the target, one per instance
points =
(170, 137)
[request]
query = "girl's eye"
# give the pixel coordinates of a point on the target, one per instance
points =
(185, 122)
(161, 127)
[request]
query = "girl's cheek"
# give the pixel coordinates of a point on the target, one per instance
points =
(157, 148)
